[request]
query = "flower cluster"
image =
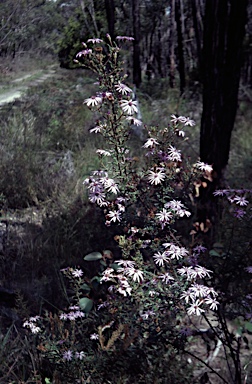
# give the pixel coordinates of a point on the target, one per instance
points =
(238, 198)
(198, 295)
(69, 355)
(32, 324)
(98, 185)
(73, 314)
(172, 210)
(120, 279)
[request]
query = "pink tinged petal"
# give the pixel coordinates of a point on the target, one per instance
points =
(95, 41)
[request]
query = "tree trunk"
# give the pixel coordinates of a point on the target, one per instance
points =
(181, 61)
(136, 43)
(224, 30)
(159, 50)
(198, 29)
(110, 12)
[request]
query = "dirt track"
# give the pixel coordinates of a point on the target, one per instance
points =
(17, 88)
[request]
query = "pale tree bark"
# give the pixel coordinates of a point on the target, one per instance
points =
(91, 10)
(180, 56)
(172, 45)
(198, 29)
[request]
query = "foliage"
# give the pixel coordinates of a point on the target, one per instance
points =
(26, 26)
(70, 42)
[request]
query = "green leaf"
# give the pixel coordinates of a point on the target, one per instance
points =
(96, 279)
(85, 288)
(86, 304)
(115, 266)
(248, 326)
(93, 256)
(238, 332)
(95, 282)
(218, 246)
(107, 252)
(214, 253)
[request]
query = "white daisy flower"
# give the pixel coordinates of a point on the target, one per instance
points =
(202, 272)
(67, 355)
(174, 154)
(108, 275)
(103, 153)
(122, 88)
(136, 274)
(125, 38)
(195, 308)
(156, 177)
(240, 201)
(187, 296)
(98, 128)
(174, 119)
(166, 278)
(93, 101)
(34, 329)
(199, 290)
(129, 106)
(123, 290)
(77, 273)
(114, 215)
(176, 252)
(134, 121)
(80, 355)
(95, 41)
(164, 216)
(160, 258)
(94, 336)
(126, 263)
(110, 185)
(150, 143)
(85, 52)
(203, 166)
(213, 303)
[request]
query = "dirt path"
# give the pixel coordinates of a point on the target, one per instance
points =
(18, 87)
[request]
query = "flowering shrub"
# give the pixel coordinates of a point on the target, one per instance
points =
(137, 302)
(150, 190)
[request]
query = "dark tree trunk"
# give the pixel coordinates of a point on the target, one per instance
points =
(159, 50)
(136, 43)
(198, 29)
(181, 61)
(110, 12)
(224, 31)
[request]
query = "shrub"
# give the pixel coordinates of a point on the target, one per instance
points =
(133, 305)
